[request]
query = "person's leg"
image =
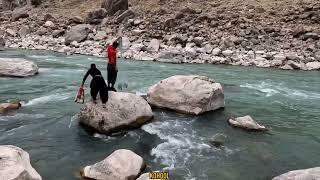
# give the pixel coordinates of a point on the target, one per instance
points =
(114, 77)
(103, 91)
(94, 92)
(109, 68)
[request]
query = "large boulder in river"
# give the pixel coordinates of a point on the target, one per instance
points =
(78, 33)
(123, 111)
(113, 6)
(15, 164)
(122, 164)
(187, 94)
(247, 122)
(304, 174)
(17, 67)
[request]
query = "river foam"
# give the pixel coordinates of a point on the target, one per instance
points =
(271, 89)
(48, 98)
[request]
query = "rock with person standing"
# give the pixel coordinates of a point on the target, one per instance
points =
(123, 111)
(189, 94)
(122, 164)
(16, 67)
(15, 164)
(304, 174)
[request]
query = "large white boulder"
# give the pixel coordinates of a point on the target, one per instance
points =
(190, 94)
(15, 164)
(17, 67)
(122, 164)
(123, 111)
(313, 65)
(246, 122)
(304, 174)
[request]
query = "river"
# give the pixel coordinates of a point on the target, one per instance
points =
(46, 126)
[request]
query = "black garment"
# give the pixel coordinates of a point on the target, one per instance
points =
(97, 84)
(112, 75)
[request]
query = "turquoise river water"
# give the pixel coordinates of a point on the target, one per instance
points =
(285, 101)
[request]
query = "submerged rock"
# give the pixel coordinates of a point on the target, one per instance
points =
(247, 122)
(15, 164)
(218, 139)
(123, 111)
(5, 107)
(17, 67)
(304, 174)
(191, 94)
(122, 164)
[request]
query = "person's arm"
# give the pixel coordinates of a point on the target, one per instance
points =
(118, 39)
(85, 77)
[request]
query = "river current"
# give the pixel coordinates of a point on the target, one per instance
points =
(46, 126)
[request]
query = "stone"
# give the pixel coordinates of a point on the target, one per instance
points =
(298, 31)
(58, 33)
(191, 94)
(100, 35)
(20, 13)
(14, 67)
(227, 53)
(304, 174)
(48, 17)
(154, 45)
(286, 67)
(96, 16)
(170, 23)
(76, 20)
(125, 16)
(2, 43)
(15, 164)
(49, 24)
(113, 6)
(247, 122)
(78, 33)
(11, 32)
(208, 48)
(316, 55)
(313, 65)
(218, 139)
(311, 35)
(294, 65)
(198, 41)
(122, 164)
(24, 30)
(292, 56)
(216, 51)
(5, 107)
(123, 111)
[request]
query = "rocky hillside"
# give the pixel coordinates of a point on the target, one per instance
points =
(194, 30)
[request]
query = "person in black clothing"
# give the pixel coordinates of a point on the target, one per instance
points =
(97, 85)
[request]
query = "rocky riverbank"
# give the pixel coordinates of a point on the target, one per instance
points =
(250, 35)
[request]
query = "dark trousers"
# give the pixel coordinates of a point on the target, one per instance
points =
(112, 75)
(98, 85)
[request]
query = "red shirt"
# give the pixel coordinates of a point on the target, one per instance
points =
(112, 55)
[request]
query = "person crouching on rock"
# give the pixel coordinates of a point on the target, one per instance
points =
(97, 85)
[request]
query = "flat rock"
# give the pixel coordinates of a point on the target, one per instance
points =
(15, 164)
(17, 67)
(122, 164)
(191, 94)
(123, 111)
(247, 122)
(304, 174)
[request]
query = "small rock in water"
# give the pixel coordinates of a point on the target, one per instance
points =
(218, 139)
(247, 122)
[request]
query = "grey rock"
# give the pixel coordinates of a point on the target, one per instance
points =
(58, 33)
(154, 45)
(76, 20)
(24, 30)
(304, 174)
(2, 43)
(294, 65)
(208, 48)
(198, 41)
(15, 164)
(170, 23)
(113, 6)
(20, 13)
(187, 94)
(311, 35)
(95, 16)
(216, 51)
(49, 24)
(218, 139)
(100, 35)
(10, 67)
(122, 164)
(286, 67)
(313, 66)
(78, 33)
(227, 53)
(123, 111)
(11, 32)
(247, 122)
(125, 15)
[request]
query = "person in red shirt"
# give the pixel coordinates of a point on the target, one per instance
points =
(112, 64)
